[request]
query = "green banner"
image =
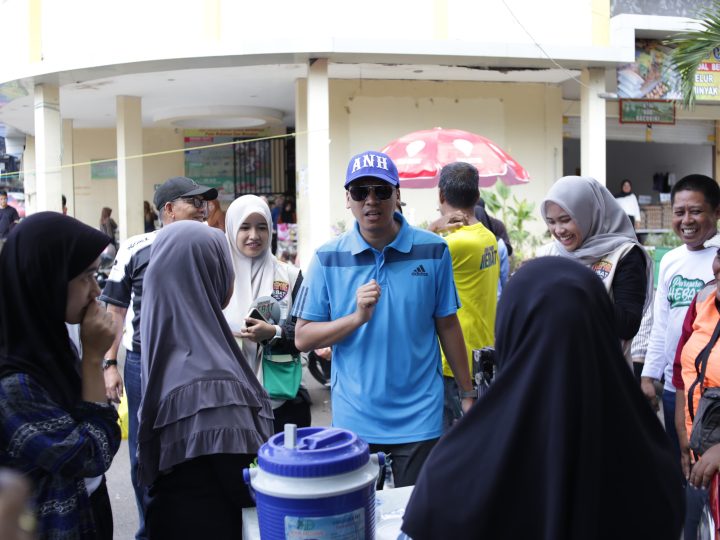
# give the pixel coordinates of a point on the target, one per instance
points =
(647, 111)
(103, 170)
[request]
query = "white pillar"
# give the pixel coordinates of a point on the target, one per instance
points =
(129, 171)
(592, 125)
(68, 171)
(48, 147)
(29, 178)
(302, 190)
(318, 156)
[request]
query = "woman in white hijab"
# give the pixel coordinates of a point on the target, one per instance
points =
(270, 285)
(588, 225)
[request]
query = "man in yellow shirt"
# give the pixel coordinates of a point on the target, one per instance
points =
(476, 265)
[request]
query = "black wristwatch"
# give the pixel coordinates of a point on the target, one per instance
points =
(107, 362)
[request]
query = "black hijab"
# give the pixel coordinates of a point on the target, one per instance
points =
(621, 193)
(563, 445)
(41, 255)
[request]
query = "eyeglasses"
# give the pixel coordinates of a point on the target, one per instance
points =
(197, 203)
(360, 193)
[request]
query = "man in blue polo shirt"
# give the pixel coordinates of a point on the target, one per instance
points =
(381, 295)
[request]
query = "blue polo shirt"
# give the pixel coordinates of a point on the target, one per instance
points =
(386, 376)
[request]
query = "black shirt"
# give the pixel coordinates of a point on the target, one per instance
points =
(8, 217)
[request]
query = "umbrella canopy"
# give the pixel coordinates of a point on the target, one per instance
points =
(420, 155)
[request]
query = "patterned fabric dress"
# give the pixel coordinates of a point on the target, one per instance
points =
(56, 449)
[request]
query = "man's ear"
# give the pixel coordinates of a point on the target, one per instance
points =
(347, 199)
(441, 197)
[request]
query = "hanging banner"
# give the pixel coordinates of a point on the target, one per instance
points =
(103, 169)
(653, 76)
(647, 111)
(216, 166)
(707, 78)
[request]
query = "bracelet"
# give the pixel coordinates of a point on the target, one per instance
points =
(468, 394)
(107, 362)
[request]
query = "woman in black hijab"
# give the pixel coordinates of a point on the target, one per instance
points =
(563, 444)
(55, 424)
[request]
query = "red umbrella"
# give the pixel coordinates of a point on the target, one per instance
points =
(420, 155)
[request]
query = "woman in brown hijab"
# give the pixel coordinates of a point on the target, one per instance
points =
(216, 216)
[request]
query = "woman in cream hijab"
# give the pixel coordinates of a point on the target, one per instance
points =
(260, 277)
(588, 225)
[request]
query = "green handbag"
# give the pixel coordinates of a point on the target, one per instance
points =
(281, 375)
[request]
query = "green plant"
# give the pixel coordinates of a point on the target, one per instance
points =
(668, 239)
(515, 214)
(691, 48)
(339, 228)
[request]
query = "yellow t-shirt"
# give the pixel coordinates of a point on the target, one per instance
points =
(476, 267)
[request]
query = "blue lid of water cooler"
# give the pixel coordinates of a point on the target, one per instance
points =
(319, 451)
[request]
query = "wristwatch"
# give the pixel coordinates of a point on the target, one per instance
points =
(278, 334)
(468, 393)
(107, 362)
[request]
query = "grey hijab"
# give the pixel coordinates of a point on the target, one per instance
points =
(603, 224)
(199, 395)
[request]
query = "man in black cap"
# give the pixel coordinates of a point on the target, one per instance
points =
(178, 199)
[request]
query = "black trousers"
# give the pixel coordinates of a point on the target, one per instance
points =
(295, 411)
(102, 512)
(407, 459)
(200, 499)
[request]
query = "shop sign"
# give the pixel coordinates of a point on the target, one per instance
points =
(647, 111)
(707, 77)
(653, 76)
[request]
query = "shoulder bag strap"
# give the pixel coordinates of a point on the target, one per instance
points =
(700, 367)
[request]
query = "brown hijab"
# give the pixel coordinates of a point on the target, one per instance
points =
(216, 216)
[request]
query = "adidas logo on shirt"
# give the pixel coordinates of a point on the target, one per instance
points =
(419, 271)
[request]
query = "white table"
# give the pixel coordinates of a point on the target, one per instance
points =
(389, 508)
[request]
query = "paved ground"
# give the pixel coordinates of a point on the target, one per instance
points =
(122, 497)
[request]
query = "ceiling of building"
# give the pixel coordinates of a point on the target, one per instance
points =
(224, 96)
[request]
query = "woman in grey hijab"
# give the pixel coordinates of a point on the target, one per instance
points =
(588, 225)
(204, 415)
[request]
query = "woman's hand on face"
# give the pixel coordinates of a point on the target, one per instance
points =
(257, 331)
(705, 467)
(97, 331)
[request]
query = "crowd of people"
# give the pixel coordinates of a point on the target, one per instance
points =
(213, 325)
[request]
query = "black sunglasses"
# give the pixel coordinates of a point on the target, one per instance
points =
(197, 203)
(360, 193)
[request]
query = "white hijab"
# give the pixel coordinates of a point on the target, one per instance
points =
(253, 276)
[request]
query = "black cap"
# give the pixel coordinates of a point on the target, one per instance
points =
(181, 186)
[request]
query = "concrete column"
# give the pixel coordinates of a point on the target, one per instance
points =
(129, 171)
(48, 147)
(592, 125)
(29, 177)
(318, 157)
(302, 190)
(68, 171)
